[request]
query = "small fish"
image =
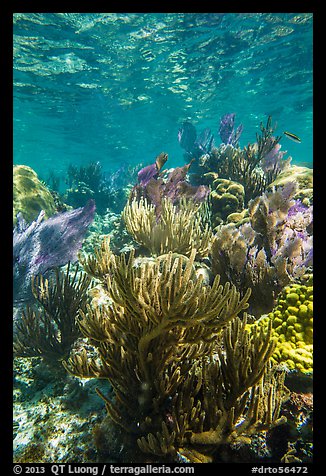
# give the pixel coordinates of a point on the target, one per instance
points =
(292, 136)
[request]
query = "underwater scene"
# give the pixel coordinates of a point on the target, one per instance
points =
(163, 238)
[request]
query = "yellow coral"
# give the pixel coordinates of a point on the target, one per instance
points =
(292, 321)
(30, 196)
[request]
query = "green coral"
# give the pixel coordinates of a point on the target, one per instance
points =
(292, 321)
(30, 196)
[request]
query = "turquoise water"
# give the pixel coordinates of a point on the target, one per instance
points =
(115, 87)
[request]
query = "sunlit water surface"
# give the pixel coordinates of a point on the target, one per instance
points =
(115, 87)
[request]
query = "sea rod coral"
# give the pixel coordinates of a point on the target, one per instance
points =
(51, 331)
(187, 376)
(177, 229)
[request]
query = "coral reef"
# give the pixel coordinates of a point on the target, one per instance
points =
(155, 188)
(51, 332)
(187, 375)
(167, 213)
(254, 167)
(292, 321)
(110, 224)
(30, 196)
(269, 251)
(159, 320)
(177, 230)
(45, 244)
(298, 431)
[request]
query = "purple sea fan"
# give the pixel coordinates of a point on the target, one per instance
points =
(204, 142)
(226, 130)
(146, 174)
(42, 245)
(152, 170)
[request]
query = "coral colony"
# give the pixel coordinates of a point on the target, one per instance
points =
(199, 321)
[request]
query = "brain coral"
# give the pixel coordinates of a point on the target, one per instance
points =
(227, 197)
(293, 327)
(30, 196)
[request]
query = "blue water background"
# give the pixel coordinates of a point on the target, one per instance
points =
(114, 87)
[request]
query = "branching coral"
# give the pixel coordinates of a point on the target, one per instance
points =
(177, 229)
(254, 167)
(223, 400)
(186, 374)
(51, 332)
(108, 190)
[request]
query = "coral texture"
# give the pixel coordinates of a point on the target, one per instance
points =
(226, 198)
(30, 196)
(302, 176)
(177, 230)
(51, 332)
(186, 374)
(292, 321)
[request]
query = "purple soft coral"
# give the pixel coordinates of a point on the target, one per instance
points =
(175, 187)
(146, 174)
(226, 130)
(205, 142)
(151, 171)
(43, 245)
(274, 160)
